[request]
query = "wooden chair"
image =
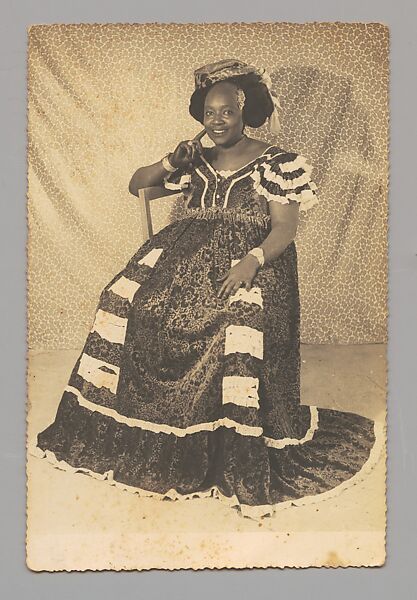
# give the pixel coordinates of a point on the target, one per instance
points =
(145, 196)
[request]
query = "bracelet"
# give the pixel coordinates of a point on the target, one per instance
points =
(258, 253)
(167, 165)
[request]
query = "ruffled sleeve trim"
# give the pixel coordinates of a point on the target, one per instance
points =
(284, 178)
(177, 181)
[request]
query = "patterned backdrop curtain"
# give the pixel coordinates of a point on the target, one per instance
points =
(106, 99)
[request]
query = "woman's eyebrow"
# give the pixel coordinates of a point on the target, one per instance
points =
(222, 106)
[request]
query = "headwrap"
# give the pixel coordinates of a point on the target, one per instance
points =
(224, 69)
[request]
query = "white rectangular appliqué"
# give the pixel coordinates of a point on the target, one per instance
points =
(242, 391)
(240, 338)
(91, 369)
(151, 258)
(253, 296)
(126, 288)
(110, 327)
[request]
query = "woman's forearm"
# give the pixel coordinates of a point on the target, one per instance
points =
(152, 175)
(280, 236)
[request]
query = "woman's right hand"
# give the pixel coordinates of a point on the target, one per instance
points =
(186, 153)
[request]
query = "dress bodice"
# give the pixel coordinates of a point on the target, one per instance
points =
(275, 175)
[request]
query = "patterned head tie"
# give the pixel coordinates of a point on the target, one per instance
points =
(209, 74)
(240, 98)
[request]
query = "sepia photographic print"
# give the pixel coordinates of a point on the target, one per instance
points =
(207, 295)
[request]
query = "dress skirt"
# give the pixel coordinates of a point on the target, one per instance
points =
(178, 393)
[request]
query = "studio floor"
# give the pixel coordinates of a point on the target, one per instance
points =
(62, 506)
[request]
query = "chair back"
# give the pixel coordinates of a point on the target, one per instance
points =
(145, 196)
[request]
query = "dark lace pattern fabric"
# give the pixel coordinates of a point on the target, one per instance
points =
(177, 389)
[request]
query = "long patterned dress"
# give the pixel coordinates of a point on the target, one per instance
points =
(178, 393)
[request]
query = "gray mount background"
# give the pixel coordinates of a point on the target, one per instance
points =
(397, 578)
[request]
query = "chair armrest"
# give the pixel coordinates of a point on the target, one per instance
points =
(155, 192)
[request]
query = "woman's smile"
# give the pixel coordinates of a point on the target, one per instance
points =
(219, 131)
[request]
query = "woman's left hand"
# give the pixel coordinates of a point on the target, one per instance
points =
(243, 272)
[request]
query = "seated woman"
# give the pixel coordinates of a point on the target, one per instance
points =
(189, 381)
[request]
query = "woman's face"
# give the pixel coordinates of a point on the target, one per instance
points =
(222, 116)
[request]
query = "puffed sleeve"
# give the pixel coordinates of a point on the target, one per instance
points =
(178, 181)
(286, 177)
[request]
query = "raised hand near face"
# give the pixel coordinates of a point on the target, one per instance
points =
(186, 153)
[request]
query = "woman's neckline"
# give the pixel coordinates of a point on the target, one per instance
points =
(220, 171)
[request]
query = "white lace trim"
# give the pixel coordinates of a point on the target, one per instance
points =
(227, 173)
(243, 392)
(162, 427)
(314, 425)
(206, 183)
(264, 153)
(183, 182)
(253, 512)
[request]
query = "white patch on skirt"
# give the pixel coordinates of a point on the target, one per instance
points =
(90, 369)
(253, 296)
(126, 288)
(151, 258)
(242, 391)
(240, 338)
(110, 327)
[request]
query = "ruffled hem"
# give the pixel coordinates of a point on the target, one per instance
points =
(255, 512)
(306, 198)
